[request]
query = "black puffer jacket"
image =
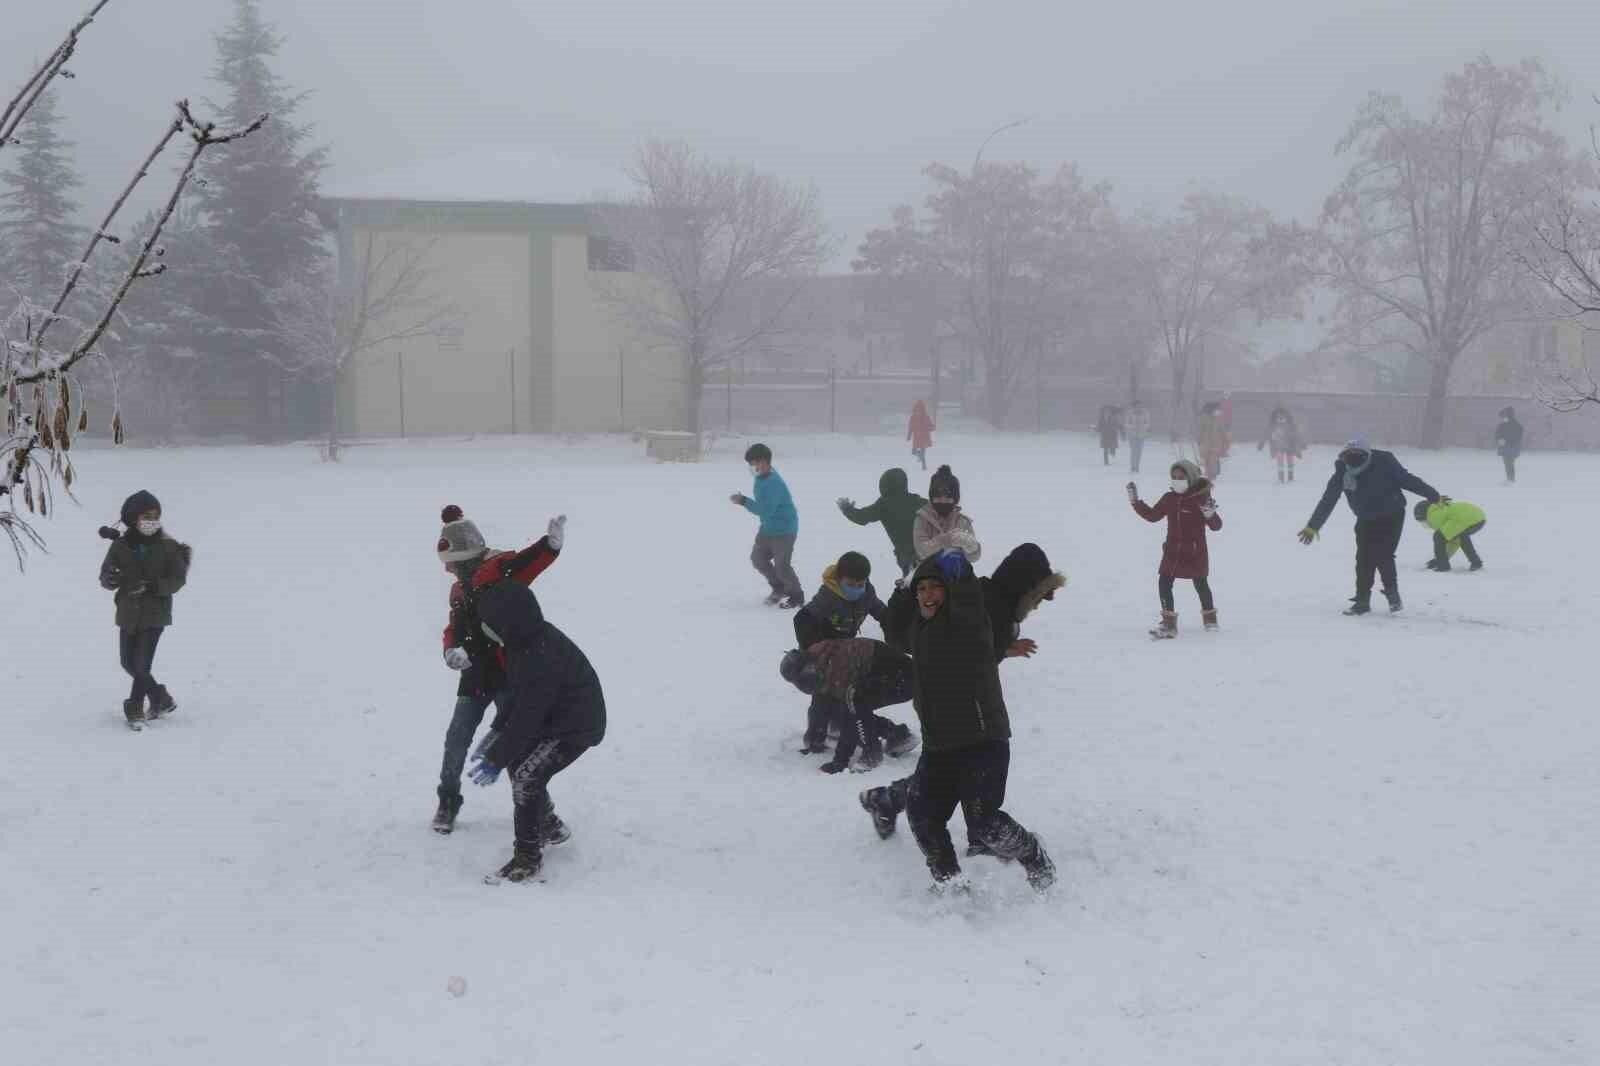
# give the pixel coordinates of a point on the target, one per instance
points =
(956, 690)
(553, 692)
(1015, 589)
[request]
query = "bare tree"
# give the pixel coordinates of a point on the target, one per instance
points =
(384, 294)
(1416, 240)
(1202, 271)
(1002, 251)
(723, 250)
(39, 428)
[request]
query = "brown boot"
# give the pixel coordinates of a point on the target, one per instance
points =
(1167, 628)
(1210, 619)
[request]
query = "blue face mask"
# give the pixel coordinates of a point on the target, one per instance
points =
(853, 593)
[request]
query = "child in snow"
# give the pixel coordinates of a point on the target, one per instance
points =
(1212, 439)
(145, 568)
(1374, 484)
(896, 507)
(1136, 427)
(773, 554)
(843, 603)
(1454, 524)
(857, 677)
(1284, 437)
(1189, 511)
(1109, 426)
(553, 712)
(941, 526)
(966, 749)
(1508, 442)
(919, 431)
(467, 558)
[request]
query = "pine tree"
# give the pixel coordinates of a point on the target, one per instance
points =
(259, 205)
(38, 232)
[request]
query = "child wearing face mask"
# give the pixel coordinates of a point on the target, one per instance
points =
(941, 526)
(773, 553)
(145, 568)
(1189, 511)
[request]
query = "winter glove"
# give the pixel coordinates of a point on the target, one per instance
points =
(109, 533)
(482, 772)
(834, 766)
(457, 658)
(738, 499)
(556, 532)
(1307, 535)
(953, 565)
(1133, 493)
(845, 504)
(1209, 508)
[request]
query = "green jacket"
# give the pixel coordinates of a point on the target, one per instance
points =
(896, 508)
(145, 573)
(1452, 519)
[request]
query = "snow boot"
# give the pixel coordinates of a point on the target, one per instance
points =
(875, 801)
(524, 865)
(1395, 606)
(1358, 606)
(1040, 869)
(791, 603)
(133, 711)
(1167, 628)
(444, 819)
(1210, 619)
(161, 702)
(554, 831)
(900, 741)
(773, 600)
(1475, 567)
(977, 848)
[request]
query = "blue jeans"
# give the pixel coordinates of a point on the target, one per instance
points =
(458, 741)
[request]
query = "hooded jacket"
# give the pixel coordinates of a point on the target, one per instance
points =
(1380, 490)
(1508, 437)
(932, 534)
(896, 507)
(1184, 554)
(829, 616)
(486, 675)
(1452, 519)
(1019, 584)
(919, 431)
(956, 684)
(552, 693)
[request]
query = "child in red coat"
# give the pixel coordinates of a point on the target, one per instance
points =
(1189, 511)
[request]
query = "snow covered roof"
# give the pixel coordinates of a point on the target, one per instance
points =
(507, 174)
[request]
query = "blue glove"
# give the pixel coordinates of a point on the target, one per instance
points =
(483, 772)
(953, 565)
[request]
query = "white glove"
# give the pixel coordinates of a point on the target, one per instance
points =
(1133, 493)
(457, 658)
(556, 532)
(1209, 508)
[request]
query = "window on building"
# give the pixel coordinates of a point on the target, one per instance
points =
(609, 255)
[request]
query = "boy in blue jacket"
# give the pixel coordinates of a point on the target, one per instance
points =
(773, 554)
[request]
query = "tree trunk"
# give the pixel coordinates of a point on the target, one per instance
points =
(696, 385)
(996, 399)
(1179, 375)
(1433, 410)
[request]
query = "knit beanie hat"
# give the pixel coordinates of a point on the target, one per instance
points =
(944, 483)
(459, 540)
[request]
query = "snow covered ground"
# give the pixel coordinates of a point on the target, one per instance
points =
(1306, 839)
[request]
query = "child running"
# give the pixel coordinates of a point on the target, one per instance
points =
(896, 508)
(773, 553)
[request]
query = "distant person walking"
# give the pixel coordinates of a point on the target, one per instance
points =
(1110, 429)
(1212, 439)
(773, 554)
(1284, 437)
(1508, 442)
(1374, 484)
(920, 432)
(1136, 427)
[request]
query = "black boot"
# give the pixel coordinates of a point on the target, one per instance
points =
(900, 741)
(524, 865)
(877, 803)
(554, 831)
(1359, 605)
(1393, 596)
(444, 819)
(1037, 865)
(161, 702)
(133, 710)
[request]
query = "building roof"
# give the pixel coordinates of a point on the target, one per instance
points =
(499, 174)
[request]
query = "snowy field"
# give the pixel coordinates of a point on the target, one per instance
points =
(1306, 839)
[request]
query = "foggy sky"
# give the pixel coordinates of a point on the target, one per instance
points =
(1248, 96)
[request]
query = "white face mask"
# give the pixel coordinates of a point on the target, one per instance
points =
(1180, 486)
(150, 527)
(755, 471)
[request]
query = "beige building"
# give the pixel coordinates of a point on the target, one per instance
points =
(533, 344)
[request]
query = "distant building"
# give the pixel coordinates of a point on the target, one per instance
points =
(538, 348)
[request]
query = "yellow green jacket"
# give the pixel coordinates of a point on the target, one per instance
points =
(1452, 519)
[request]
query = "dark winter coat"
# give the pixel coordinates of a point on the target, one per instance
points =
(956, 689)
(552, 693)
(486, 675)
(1019, 584)
(829, 616)
(1109, 426)
(896, 507)
(1508, 438)
(1379, 491)
(1184, 555)
(145, 572)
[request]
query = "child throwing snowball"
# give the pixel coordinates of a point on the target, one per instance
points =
(1189, 511)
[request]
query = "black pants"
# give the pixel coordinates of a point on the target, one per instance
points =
(973, 778)
(1441, 547)
(530, 789)
(1201, 586)
(1511, 466)
(1377, 539)
(138, 649)
(825, 711)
